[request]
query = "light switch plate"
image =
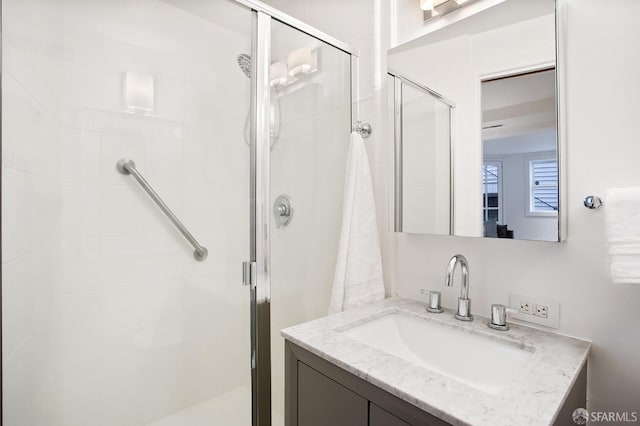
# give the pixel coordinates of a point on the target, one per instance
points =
(537, 310)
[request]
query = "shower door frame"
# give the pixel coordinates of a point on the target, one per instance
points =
(260, 237)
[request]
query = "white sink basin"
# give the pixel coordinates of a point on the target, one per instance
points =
(480, 362)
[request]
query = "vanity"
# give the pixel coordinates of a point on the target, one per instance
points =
(393, 363)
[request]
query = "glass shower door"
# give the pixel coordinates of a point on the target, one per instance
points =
(108, 319)
(310, 127)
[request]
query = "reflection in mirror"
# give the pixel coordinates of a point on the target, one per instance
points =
(520, 156)
(423, 157)
(498, 66)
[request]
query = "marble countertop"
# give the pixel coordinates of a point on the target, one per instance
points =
(533, 397)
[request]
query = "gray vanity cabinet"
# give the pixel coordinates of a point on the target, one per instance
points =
(322, 401)
(381, 417)
(318, 393)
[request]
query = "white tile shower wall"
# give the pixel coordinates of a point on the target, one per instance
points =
(30, 139)
(95, 277)
(574, 272)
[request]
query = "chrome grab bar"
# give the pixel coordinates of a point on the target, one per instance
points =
(128, 167)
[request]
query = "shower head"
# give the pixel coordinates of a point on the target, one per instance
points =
(245, 63)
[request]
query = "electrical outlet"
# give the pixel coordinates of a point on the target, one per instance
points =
(525, 308)
(537, 310)
(541, 311)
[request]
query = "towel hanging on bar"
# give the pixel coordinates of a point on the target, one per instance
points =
(622, 224)
(358, 275)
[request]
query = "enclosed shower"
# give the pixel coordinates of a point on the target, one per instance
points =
(111, 314)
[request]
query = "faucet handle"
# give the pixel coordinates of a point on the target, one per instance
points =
(435, 298)
(499, 316)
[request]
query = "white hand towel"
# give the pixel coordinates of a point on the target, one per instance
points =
(358, 275)
(622, 221)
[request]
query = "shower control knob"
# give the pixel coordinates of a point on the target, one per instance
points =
(282, 210)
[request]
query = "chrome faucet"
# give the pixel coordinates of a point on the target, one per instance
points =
(464, 303)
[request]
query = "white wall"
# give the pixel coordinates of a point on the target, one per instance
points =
(601, 69)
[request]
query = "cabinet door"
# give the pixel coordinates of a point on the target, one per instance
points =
(381, 417)
(322, 401)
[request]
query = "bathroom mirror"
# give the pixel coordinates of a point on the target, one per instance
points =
(494, 73)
